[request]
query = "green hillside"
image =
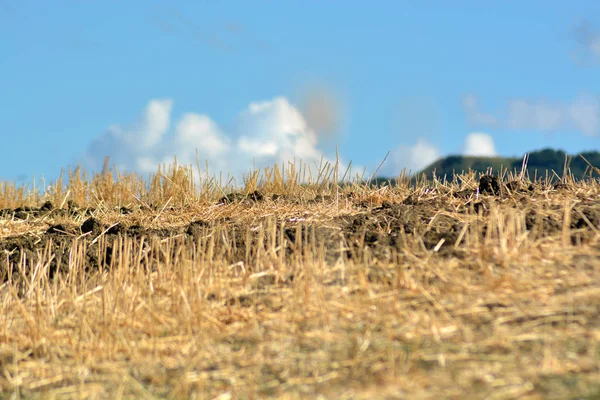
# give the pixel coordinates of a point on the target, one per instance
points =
(540, 163)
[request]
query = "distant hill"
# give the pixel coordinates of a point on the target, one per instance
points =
(540, 162)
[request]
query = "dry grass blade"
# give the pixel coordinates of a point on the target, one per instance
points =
(299, 286)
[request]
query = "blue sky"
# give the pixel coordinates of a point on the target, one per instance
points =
(261, 82)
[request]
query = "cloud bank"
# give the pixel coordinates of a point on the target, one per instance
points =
(582, 115)
(263, 134)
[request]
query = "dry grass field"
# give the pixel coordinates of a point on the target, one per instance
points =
(113, 286)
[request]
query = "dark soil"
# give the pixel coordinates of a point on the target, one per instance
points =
(433, 225)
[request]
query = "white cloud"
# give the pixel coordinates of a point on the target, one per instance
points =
(479, 144)
(581, 114)
(157, 122)
(149, 130)
(523, 114)
(413, 158)
(585, 114)
(200, 129)
(275, 131)
(263, 134)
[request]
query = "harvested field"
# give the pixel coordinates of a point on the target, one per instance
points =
(116, 287)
